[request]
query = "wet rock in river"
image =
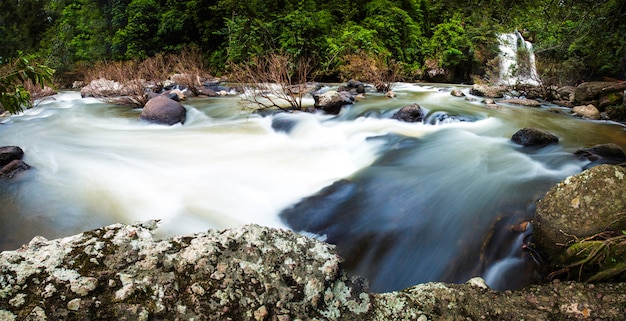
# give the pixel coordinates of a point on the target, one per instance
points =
(9, 154)
(11, 163)
(413, 113)
(533, 137)
(332, 101)
(162, 110)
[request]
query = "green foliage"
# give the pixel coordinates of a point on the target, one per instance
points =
(14, 75)
(138, 38)
(450, 45)
(457, 34)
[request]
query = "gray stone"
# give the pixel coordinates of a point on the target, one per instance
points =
(162, 110)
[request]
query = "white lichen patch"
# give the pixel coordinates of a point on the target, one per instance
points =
(83, 285)
(619, 175)
(7, 315)
(74, 304)
(18, 300)
(128, 287)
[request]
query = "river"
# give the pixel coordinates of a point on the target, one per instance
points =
(405, 203)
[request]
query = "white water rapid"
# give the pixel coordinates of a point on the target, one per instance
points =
(405, 203)
(517, 61)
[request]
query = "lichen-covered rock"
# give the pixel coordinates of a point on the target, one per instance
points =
(533, 137)
(413, 113)
(581, 206)
(120, 272)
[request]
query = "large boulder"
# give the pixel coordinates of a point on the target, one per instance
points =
(589, 91)
(120, 272)
(488, 91)
(587, 111)
(413, 113)
(162, 110)
(332, 101)
(580, 206)
(612, 95)
(533, 137)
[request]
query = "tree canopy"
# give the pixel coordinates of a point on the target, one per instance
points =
(584, 36)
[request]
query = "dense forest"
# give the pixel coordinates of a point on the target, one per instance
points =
(575, 40)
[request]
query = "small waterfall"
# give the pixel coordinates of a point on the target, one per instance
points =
(517, 61)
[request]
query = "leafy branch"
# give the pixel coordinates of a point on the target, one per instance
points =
(15, 75)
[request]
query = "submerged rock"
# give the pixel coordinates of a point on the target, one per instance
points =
(580, 206)
(162, 110)
(533, 137)
(602, 154)
(413, 113)
(120, 272)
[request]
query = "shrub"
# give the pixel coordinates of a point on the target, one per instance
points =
(15, 76)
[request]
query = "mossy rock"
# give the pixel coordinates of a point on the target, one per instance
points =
(580, 206)
(617, 113)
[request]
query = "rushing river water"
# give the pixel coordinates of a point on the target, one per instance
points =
(405, 203)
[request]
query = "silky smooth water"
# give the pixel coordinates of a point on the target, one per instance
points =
(405, 203)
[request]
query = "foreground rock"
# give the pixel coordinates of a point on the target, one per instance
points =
(163, 110)
(582, 205)
(120, 272)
